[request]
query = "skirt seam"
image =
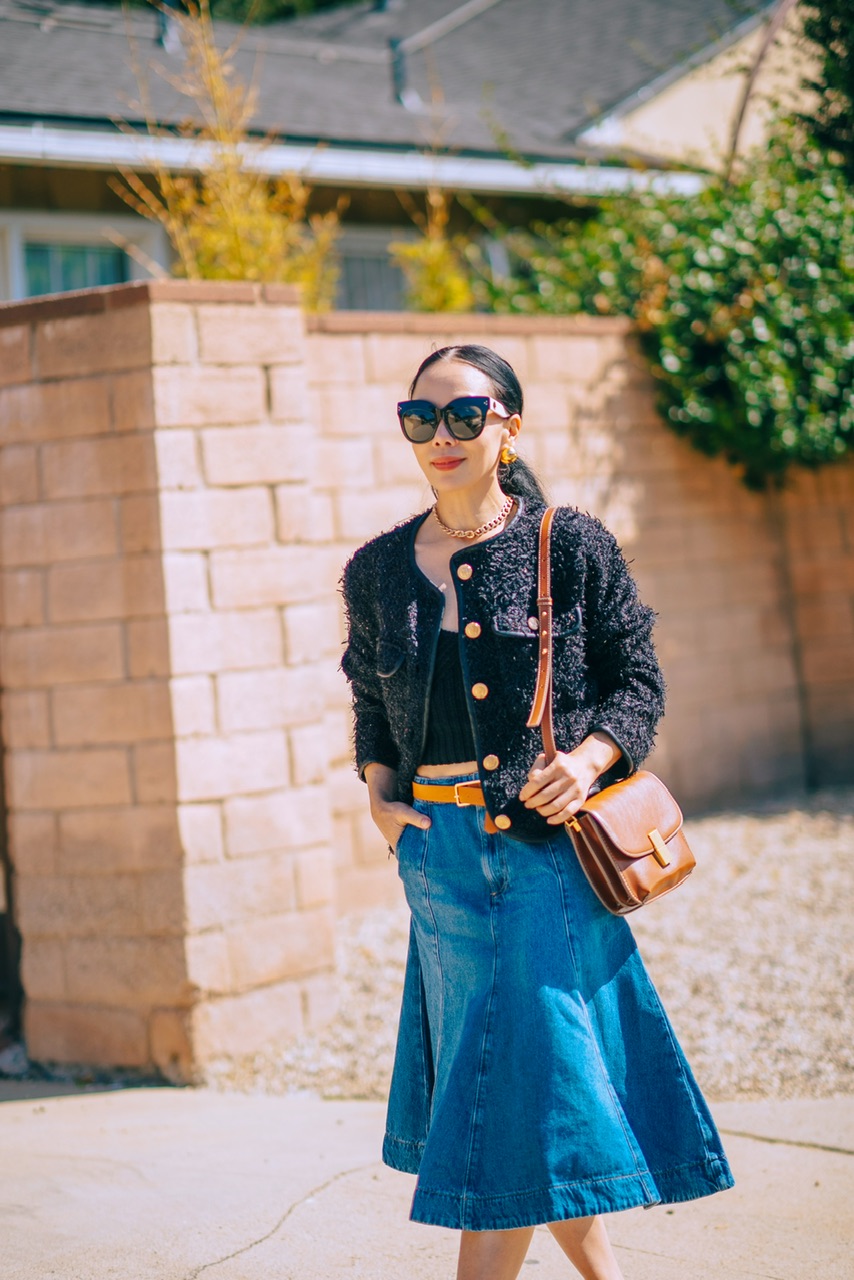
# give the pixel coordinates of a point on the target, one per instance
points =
(530, 1193)
(437, 1049)
(680, 1065)
(641, 1173)
(485, 1044)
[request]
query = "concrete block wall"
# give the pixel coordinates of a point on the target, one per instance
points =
(87, 720)
(815, 517)
(183, 471)
(167, 640)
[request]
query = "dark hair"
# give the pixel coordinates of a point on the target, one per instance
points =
(518, 478)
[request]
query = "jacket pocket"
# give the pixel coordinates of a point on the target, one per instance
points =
(390, 658)
(567, 622)
(516, 621)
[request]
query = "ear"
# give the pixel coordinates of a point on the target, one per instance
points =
(514, 425)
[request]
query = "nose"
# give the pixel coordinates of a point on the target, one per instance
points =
(443, 435)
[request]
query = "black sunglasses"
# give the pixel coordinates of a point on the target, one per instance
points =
(464, 417)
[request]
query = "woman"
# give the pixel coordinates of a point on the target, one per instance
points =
(536, 1077)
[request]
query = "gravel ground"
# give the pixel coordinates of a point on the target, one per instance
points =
(752, 957)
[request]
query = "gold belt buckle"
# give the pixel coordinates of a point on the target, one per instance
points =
(462, 804)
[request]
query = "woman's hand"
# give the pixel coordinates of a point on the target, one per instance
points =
(390, 816)
(558, 789)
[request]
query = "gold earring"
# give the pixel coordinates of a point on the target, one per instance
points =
(508, 454)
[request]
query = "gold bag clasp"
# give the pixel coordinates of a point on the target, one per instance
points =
(659, 848)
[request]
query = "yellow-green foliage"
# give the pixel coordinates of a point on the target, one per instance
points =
(437, 276)
(230, 222)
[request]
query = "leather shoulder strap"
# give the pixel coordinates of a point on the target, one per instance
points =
(541, 709)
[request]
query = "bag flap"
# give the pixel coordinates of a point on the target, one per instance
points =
(627, 811)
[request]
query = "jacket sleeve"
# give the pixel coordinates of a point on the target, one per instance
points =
(372, 738)
(621, 656)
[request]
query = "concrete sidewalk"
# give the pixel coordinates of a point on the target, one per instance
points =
(169, 1184)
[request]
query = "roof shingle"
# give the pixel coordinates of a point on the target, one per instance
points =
(526, 75)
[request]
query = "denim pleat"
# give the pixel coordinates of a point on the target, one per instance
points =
(536, 1076)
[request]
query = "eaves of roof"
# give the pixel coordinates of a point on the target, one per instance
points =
(92, 148)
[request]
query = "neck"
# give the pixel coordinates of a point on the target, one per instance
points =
(468, 510)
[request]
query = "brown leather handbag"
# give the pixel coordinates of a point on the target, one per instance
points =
(628, 837)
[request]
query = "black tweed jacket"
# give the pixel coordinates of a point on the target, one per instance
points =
(605, 672)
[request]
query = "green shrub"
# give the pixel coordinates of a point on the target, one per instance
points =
(743, 295)
(829, 24)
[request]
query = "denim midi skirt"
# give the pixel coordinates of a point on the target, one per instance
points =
(536, 1075)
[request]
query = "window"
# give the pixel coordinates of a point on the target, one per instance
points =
(57, 268)
(368, 278)
(369, 282)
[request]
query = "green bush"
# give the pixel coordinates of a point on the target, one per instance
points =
(743, 295)
(829, 24)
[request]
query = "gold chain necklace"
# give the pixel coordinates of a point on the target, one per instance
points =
(484, 528)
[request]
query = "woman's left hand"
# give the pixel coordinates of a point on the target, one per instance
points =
(556, 790)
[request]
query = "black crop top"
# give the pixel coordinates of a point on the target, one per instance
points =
(449, 734)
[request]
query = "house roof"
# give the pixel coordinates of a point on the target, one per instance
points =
(487, 78)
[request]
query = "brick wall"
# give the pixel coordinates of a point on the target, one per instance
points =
(183, 470)
(167, 644)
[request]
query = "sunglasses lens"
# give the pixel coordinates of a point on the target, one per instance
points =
(465, 418)
(419, 420)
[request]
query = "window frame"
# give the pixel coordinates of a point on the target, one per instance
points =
(38, 226)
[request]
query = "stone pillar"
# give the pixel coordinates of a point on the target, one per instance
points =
(168, 623)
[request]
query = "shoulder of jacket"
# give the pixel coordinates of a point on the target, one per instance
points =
(575, 528)
(368, 557)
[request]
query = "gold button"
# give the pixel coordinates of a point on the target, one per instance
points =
(479, 691)
(533, 623)
(472, 630)
(464, 571)
(491, 762)
(502, 822)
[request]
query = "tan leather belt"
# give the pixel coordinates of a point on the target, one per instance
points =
(461, 794)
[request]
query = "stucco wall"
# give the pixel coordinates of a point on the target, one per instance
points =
(183, 470)
(689, 117)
